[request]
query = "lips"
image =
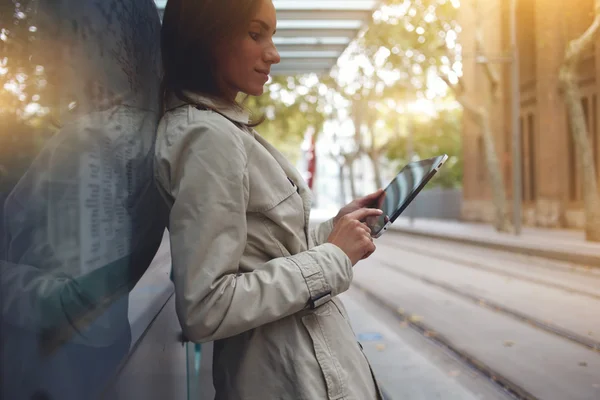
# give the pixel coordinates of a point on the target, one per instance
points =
(265, 72)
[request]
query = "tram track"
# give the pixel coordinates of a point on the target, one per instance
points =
(497, 307)
(507, 385)
(468, 311)
(499, 271)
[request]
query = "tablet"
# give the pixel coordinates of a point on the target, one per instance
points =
(401, 191)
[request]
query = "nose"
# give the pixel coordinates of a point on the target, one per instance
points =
(272, 55)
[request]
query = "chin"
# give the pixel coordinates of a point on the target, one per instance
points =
(255, 91)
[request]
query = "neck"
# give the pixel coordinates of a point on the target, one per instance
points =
(230, 96)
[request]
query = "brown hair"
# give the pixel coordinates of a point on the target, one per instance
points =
(192, 31)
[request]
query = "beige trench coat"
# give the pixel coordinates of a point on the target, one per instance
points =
(248, 273)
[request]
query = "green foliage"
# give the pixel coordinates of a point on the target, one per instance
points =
(291, 106)
(404, 40)
(406, 43)
(409, 38)
(432, 137)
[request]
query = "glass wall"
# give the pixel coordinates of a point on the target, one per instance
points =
(81, 219)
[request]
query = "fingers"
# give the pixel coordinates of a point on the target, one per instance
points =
(354, 236)
(366, 228)
(368, 243)
(363, 213)
(370, 249)
(364, 201)
(367, 255)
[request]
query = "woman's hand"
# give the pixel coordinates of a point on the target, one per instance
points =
(353, 236)
(357, 204)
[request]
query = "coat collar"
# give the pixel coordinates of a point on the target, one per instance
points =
(233, 113)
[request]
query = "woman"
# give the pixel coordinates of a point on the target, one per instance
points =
(248, 272)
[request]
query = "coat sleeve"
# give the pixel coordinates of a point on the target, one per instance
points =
(321, 232)
(208, 228)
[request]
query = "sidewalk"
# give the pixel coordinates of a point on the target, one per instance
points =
(556, 244)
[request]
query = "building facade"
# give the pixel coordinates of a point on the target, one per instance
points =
(551, 182)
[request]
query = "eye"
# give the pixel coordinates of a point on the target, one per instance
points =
(254, 35)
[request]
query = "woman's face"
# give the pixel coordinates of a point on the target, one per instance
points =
(245, 63)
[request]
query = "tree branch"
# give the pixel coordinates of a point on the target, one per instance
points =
(357, 136)
(336, 157)
(577, 47)
(381, 148)
(350, 157)
(460, 97)
(490, 71)
(455, 88)
(370, 125)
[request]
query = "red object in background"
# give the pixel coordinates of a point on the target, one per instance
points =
(312, 161)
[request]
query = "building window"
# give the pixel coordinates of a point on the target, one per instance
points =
(482, 170)
(528, 158)
(506, 159)
(595, 135)
(522, 135)
(532, 159)
(586, 112)
(572, 159)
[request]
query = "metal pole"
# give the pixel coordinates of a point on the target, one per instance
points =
(516, 111)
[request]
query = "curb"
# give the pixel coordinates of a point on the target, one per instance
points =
(583, 259)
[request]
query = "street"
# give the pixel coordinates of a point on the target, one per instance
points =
(481, 323)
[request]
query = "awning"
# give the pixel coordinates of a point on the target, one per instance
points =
(312, 34)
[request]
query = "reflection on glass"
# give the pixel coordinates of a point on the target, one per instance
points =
(81, 220)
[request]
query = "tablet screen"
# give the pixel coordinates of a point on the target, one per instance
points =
(401, 190)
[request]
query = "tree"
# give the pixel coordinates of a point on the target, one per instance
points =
(367, 94)
(407, 42)
(340, 157)
(364, 114)
(345, 153)
(349, 160)
(432, 136)
(402, 47)
(291, 106)
(480, 113)
(374, 129)
(415, 40)
(569, 79)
